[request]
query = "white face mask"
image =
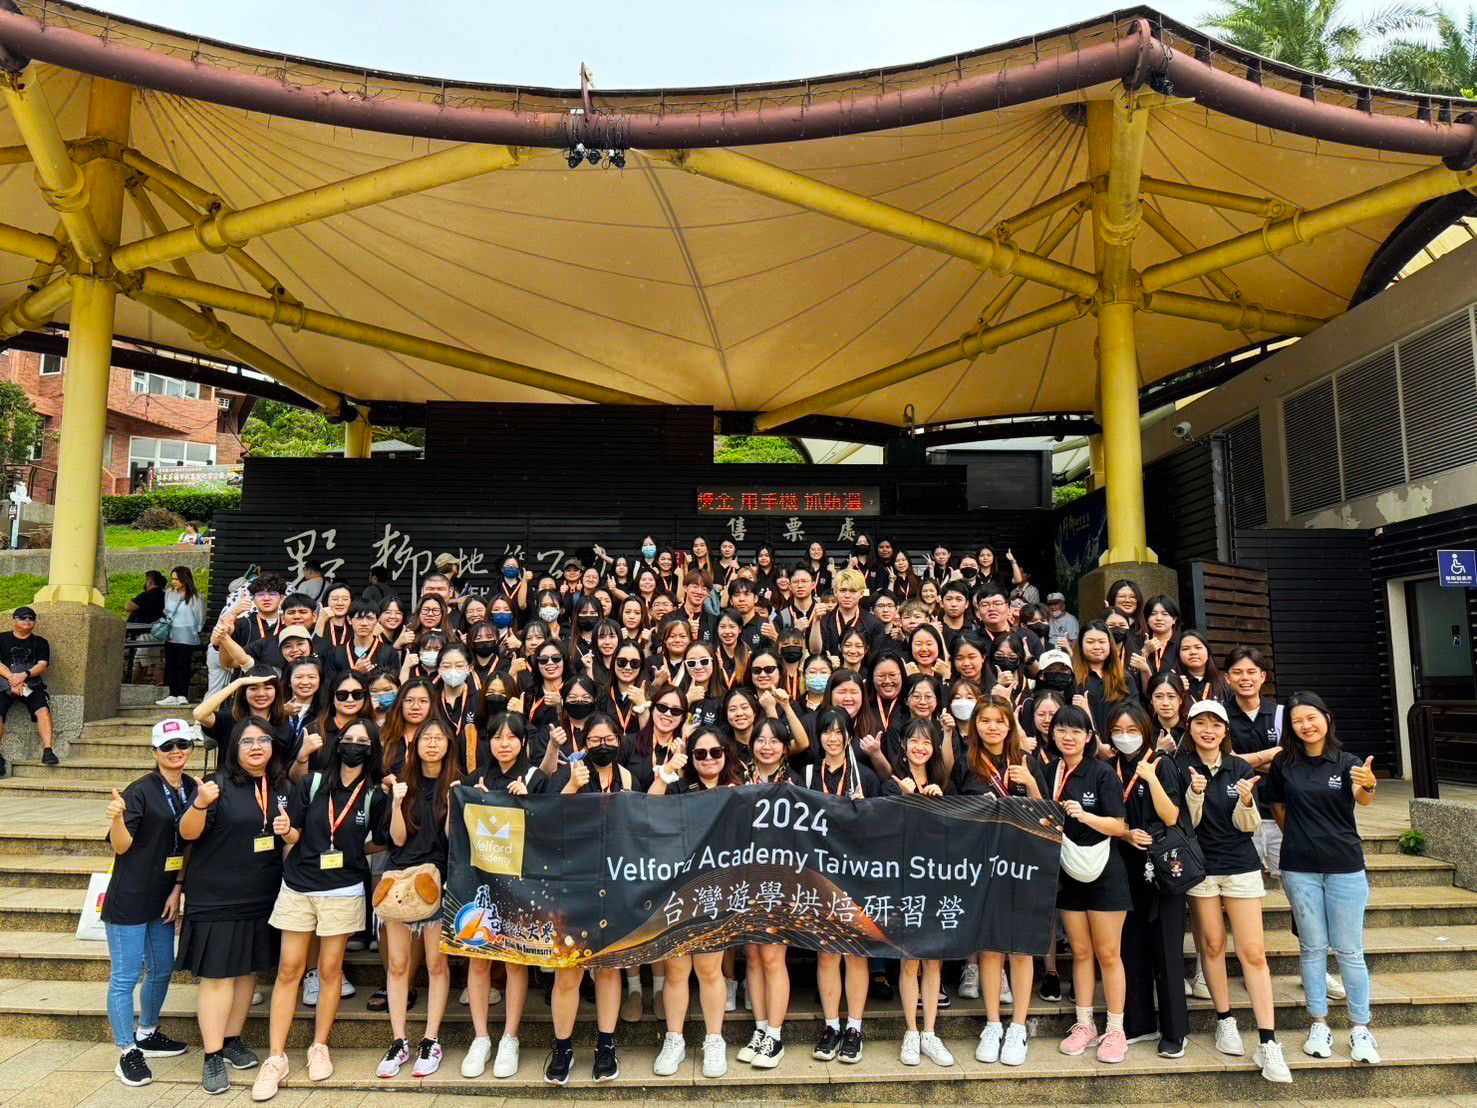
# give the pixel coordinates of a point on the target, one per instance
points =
(454, 678)
(429, 657)
(962, 709)
(548, 615)
(1128, 744)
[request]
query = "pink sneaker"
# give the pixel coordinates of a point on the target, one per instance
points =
(269, 1078)
(1082, 1036)
(1112, 1047)
(320, 1065)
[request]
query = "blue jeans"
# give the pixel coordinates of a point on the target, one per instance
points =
(140, 951)
(1329, 908)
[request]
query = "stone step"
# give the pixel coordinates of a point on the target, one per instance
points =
(17, 839)
(140, 696)
(1420, 1061)
(151, 713)
(132, 729)
(111, 774)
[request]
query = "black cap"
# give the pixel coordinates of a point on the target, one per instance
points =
(25, 612)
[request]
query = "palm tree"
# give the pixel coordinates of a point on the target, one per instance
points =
(1311, 34)
(1446, 66)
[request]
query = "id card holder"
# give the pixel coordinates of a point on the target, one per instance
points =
(174, 863)
(263, 844)
(331, 859)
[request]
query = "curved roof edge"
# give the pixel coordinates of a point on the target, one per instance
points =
(1141, 52)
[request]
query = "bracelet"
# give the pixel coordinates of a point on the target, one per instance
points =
(198, 808)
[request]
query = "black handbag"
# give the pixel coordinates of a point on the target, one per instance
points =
(1178, 862)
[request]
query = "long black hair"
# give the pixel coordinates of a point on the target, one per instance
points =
(372, 770)
(1293, 750)
(230, 755)
(934, 770)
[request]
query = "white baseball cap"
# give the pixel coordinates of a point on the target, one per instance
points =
(1054, 658)
(1213, 707)
(171, 729)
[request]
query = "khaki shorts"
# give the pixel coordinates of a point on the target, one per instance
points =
(1237, 886)
(321, 915)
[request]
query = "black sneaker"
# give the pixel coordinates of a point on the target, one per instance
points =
(237, 1055)
(607, 1066)
(881, 987)
(1171, 1048)
(770, 1053)
(851, 1046)
(213, 1077)
(49, 758)
(160, 1045)
(132, 1069)
(943, 999)
(827, 1045)
(556, 1069)
(1051, 987)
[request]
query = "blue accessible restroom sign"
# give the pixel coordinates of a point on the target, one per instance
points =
(1457, 568)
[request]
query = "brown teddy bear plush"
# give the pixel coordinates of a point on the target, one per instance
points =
(408, 895)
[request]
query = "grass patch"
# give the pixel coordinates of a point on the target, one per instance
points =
(21, 588)
(123, 537)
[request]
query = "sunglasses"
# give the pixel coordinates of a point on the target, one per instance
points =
(628, 663)
(764, 669)
(550, 660)
(667, 709)
(173, 746)
(348, 694)
(707, 754)
(698, 663)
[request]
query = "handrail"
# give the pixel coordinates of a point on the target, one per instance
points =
(1421, 726)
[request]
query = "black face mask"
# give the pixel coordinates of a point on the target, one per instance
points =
(586, 623)
(578, 710)
(353, 755)
(862, 552)
(969, 573)
(1118, 633)
(484, 650)
(496, 705)
(791, 654)
(1056, 681)
(1007, 665)
(601, 756)
(1040, 628)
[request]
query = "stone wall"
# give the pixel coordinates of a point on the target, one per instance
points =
(1450, 827)
(37, 562)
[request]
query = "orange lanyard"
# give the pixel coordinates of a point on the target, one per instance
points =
(885, 714)
(337, 637)
(1132, 781)
(840, 783)
(336, 819)
(996, 779)
(1061, 784)
(624, 717)
(261, 799)
(459, 717)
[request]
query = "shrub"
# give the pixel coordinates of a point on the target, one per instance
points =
(155, 518)
(1412, 842)
(196, 504)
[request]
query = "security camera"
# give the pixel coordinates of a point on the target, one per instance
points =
(1182, 429)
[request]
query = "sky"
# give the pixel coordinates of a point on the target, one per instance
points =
(627, 44)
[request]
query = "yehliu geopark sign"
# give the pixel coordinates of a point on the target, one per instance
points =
(625, 878)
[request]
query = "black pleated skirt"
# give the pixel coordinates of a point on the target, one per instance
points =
(227, 948)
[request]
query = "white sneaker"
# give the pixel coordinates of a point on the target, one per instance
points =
(969, 982)
(1013, 1050)
(428, 1059)
(673, 1054)
(394, 1058)
(494, 997)
(464, 999)
(1362, 1046)
(257, 998)
(1189, 987)
(476, 1060)
(1198, 987)
(989, 1047)
(715, 1056)
(170, 702)
(1273, 1066)
(310, 988)
(345, 988)
(1228, 1038)
(1336, 988)
(506, 1062)
(1006, 996)
(730, 994)
(909, 1054)
(1319, 1043)
(934, 1050)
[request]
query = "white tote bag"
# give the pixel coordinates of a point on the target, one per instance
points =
(90, 925)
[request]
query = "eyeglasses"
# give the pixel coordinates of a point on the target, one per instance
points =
(267, 595)
(698, 663)
(254, 740)
(572, 703)
(174, 746)
(707, 754)
(667, 709)
(342, 695)
(550, 660)
(764, 669)
(353, 742)
(628, 663)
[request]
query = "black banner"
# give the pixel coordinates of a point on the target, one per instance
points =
(626, 878)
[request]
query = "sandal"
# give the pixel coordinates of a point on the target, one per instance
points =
(379, 1002)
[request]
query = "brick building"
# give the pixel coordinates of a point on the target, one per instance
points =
(152, 420)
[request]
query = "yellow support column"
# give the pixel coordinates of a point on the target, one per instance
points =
(357, 437)
(89, 359)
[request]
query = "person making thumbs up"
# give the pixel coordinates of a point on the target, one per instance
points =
(1313, 788)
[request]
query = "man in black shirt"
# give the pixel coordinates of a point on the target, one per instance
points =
(24, 658)
(745, 598)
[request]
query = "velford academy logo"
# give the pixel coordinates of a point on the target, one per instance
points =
(496, 838)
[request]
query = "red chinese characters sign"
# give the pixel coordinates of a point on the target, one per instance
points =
(730, 501)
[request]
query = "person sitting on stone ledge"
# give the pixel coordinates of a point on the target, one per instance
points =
(24, 658)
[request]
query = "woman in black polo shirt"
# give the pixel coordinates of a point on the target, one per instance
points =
(1219, 791)
(1154, 932)
(143, 899)
(1165, 694)
(1313, 786)
(1093, 892)
(257, 692)
(230, 887)
(509, 771)
(1098, 668)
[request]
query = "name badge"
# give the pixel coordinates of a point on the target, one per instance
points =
(174, 863)
(263, 844)
(331, 859)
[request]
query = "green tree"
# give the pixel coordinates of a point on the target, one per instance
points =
(1311, 34)
(278, 430)
(1445, 65)
(756, 448)
(20, 426)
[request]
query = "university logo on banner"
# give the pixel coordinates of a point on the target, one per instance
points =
(496, 839)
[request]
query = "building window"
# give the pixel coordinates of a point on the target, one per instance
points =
(51, 364)
(169, 452)
(39, 446)
(156, 384)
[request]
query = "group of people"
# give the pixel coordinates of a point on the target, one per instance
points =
(345, 725)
